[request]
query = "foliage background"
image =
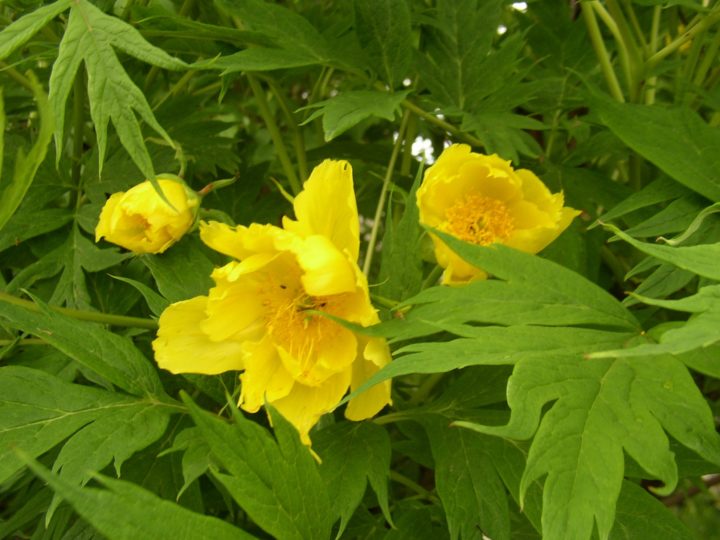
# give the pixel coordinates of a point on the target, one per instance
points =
(584, 404)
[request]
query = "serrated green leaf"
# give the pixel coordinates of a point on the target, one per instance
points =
(640, 515)
(350, 108)
(155, 302)
(80, 256)
(91, 37)
(196, 455)
(276, 482)
(25, 225)
(352, 455)
(469, 487)
(288, 29)
(182, 272)
(17, 33)
(110, 355)
(39, 410)
(453, 64)
(601, 408)
(26, 166)
(125, 511)
(384, 32)
(701, 259)
(401, 272)
(689, 156)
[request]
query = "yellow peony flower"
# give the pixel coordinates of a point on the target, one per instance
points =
(140, 221)
(482, 200)
(259, 317)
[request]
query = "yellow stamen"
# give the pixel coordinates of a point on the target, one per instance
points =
(479, 220)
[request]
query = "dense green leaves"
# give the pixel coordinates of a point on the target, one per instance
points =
(121, 512)
(688, 156)
(91, 37)
(276, 482)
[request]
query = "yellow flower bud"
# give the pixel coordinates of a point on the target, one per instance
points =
(141, 221)
(482, 200)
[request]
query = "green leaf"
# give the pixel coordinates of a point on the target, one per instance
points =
(469, 487)
(640, 515)
(261, 59)
(25, 225)
(110, 355)
(276, 482)
(155, 302)
(401, 272)
(384, 31)
(26, 166)
(125, 511)
(601, 408)
(91, 37)
(17, 33)
(38, 411)
(701, 259)
(182, 272)
(352, 455)
(350, 108)
(454, 64)
(659, 191)
(80, 256)
(689, 156)
(286, 28)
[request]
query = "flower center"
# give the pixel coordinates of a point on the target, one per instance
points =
(291, 324)
(478, 220)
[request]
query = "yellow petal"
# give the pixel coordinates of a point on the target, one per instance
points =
(107, 215)
(536, 239)
(304, 405)
(182, 347)
(326, 270)
(327, 207)
(240, 242)
(374, 355)
(265, 378)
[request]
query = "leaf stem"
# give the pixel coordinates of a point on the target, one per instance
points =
(417, 488)
(588, 13)
(383, 194)
(78, 129)
(274, 134)
(702, 25)
(93, 316)
(298, 139)
(430, 117)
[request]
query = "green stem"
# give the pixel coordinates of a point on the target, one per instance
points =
(93, 316)
(433, 276)
(620, 41)
(635, 23)
(651, 84)
(17, 76)
(22, 342)
(425, 389)
(601, 52)
(275, 134)
(430, 117)
(383, 194)
(78, 129)
(407, 157)
(176, 88)
(709, 59)
(696, 29)
(417, 488)
(298, 139)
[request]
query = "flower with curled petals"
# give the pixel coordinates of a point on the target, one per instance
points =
(482, 200)
(262, 317)
(141, 221)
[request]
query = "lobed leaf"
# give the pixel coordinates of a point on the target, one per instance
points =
(17, 33)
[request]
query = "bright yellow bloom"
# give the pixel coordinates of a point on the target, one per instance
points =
(482, 200)
(139, 220)
(260, 315)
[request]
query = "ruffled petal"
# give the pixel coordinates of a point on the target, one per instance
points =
(327, 207)
(326, 270)
(374, 354)
(304, 405)
(265, 378)
(182, 347)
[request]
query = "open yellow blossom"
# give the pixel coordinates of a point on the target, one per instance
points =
(482, 200)
(262, 314)
(141, 221)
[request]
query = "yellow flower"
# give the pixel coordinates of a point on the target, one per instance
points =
(260, 317)
(482, 200)
(139, 220)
